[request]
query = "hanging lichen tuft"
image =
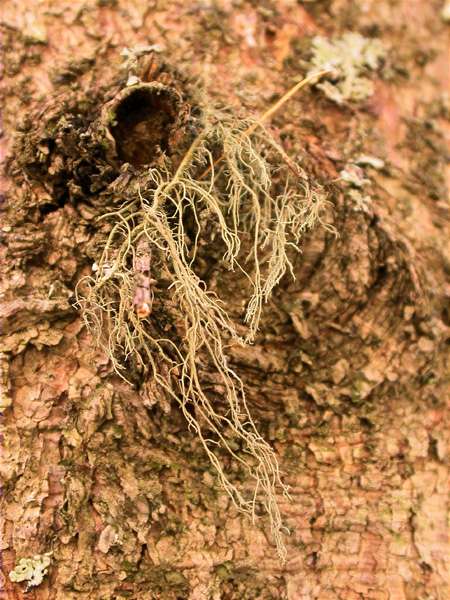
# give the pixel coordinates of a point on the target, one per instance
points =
(222, 188)
(176, 191)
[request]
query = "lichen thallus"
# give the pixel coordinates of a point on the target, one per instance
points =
(234, 194)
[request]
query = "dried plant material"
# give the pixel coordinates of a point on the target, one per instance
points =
(32, 570)
(349, 58)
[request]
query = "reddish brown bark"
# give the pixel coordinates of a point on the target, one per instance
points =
(348, 378)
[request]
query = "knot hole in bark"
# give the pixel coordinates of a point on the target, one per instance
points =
(143, 120)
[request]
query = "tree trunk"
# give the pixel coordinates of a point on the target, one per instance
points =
(347, 379)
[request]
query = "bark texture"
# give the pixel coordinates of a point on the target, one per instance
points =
(348, 378)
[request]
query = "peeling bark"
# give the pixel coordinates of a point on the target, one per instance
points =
(348, 378)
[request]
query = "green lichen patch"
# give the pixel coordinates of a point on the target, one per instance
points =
(31, 570)
(356, 179)
(350, 58)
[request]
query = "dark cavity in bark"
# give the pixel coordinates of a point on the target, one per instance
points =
(143, 122)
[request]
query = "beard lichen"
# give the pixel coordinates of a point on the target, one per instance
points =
(223, 189)
(174, 194)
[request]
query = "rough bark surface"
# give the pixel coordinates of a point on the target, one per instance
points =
(348, 378)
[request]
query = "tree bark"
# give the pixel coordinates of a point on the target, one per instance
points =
(348, 377)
